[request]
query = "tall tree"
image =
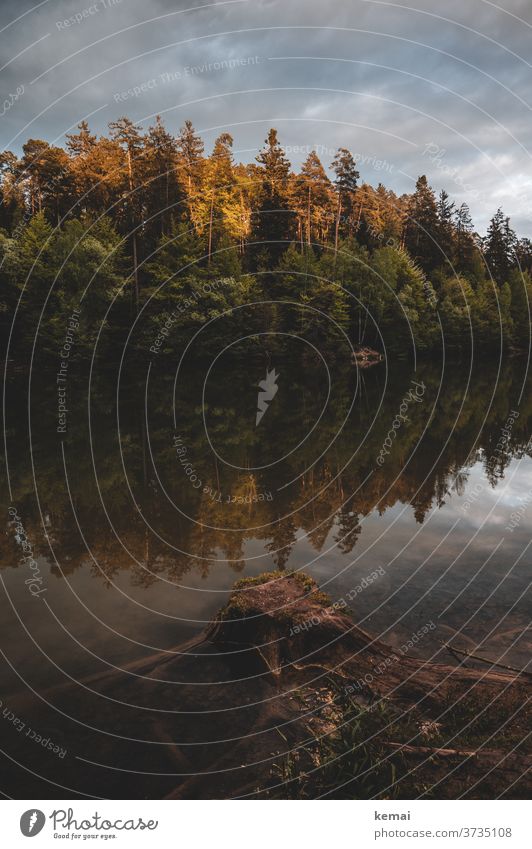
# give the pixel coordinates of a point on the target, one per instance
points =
(11, 191)
(126, 134)
(82, 142)
(161, 185)
(313, 200)
(380, 216)
(97, 177)
(346, 181)
(465, 247)
(523, 254)
(499, 246)
(446, 235)
(224, 206)
(274, 223)
(44, 169)
(191, 164)
(423, 227)
(275, 165)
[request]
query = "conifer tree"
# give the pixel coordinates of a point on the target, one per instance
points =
(224, 201)
(80, 143)
(523, 254)
(465, 248)
(274, 222)
(190, 162)
(126, 134)
(499, 247)
(275, 166)
(313, 199)
(423, 227)
(44, 170)
(11, 191)
(446, 234)
(161, 186)
(346, 181)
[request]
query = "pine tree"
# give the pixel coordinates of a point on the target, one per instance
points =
(423, 227)
(97, 177)
(80, 143)
(224, 207)
(346, 181)
(523, 254)
(126, 134)
(274, 222)
(191, 165)
(313, 199)
(275, 166)
(11, 191)
(379, 217)
(446, 210)
(499, 246)
(161, 186)
(464, 243)
(45, 172)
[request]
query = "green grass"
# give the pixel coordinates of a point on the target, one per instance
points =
(351, 762)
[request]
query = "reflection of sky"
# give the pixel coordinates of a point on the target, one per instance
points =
(448, 569)
(433, 572)
(508, 494)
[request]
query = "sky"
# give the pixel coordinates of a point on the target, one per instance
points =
(421, 87)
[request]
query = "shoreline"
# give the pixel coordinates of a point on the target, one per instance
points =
(258, 707)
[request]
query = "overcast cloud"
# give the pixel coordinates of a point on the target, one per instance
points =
(408, 91)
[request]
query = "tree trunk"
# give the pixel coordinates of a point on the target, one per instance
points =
(308, 218)
(133, 223)
(135, 272)
(210, 230)
(337, 227)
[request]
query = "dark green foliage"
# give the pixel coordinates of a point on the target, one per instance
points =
(353, 761)
(274, 223)
(344, 167)
(499, 247)
(143, 221)
(423, 227)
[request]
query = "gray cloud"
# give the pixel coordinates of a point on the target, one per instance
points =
(380, 78)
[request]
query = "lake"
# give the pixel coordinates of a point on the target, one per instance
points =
(405, 492)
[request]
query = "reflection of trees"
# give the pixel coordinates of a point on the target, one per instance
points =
(327, 501)
(282, 538)
(348, 530)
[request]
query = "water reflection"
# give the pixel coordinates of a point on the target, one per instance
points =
(173, 490)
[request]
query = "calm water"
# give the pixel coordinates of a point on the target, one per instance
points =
(161, 490)
(157, 497)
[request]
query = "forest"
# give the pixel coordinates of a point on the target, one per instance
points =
(148, 238)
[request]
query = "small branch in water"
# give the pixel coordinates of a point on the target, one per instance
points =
(429, 750)
(471, 656)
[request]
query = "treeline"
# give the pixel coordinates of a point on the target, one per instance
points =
(138, 220)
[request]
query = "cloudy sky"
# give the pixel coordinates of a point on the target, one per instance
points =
(407, 89)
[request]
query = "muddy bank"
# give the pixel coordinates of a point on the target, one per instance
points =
(282, 695)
